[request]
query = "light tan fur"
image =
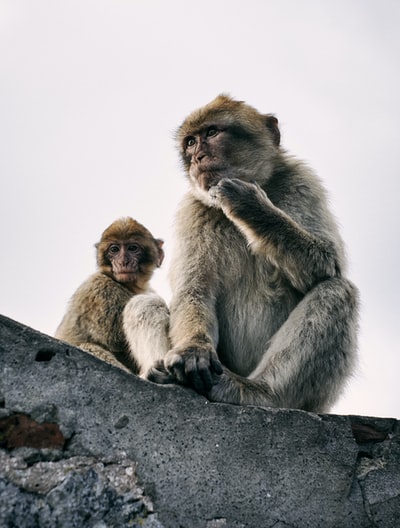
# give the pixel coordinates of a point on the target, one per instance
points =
(261, 312)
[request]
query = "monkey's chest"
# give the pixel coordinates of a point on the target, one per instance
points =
(252, 303)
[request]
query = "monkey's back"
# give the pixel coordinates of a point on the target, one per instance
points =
(94, 314)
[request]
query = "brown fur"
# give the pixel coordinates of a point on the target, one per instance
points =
(94, 319)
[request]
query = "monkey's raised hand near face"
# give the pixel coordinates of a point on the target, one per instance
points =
(261, 312)
(302, 256)
(127, 255)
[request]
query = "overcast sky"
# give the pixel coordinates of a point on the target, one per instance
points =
(92, 91)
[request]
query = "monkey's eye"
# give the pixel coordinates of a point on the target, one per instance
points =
(113, 248)
(134, 248)
(190, 142)
(212, 131)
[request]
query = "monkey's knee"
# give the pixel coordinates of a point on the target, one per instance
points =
(351, 293)
(146, 327)
(145, 309)
(337, 294)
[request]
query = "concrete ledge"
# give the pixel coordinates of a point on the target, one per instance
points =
(85, 444)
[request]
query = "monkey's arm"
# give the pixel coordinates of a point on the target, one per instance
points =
(193, 323)
(305, 257)
(193, 358)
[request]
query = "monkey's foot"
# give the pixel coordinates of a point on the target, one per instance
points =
(159, 374)
(234, 389)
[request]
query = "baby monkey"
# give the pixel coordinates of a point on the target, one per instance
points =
(127, 256)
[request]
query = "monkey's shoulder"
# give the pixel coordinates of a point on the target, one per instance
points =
(293, 178)
(297, 190)
(100, 288)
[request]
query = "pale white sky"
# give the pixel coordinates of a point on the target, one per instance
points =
(91, 92)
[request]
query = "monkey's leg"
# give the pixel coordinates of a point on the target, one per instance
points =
(103, 354)
(146, 324)
(308, 359)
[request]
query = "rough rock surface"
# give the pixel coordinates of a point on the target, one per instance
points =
(83, 444)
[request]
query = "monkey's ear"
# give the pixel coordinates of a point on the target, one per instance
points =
(272, 125)
(159, 242)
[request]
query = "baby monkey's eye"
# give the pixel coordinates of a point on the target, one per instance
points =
(134, 247)
(114, 248)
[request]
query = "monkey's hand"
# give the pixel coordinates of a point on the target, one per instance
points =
(197, 366)
(237, 197)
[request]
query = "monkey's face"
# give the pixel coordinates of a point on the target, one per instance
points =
(226, 139)
(128, 253)
(206, 156)
(219, 151)
(125, 258)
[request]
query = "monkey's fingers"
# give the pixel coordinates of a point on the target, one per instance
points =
(203, 371)
(198, 373)
(196, 366)
(216, 364)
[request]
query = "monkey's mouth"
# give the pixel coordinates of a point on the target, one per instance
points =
(207, 179)
(125, 276)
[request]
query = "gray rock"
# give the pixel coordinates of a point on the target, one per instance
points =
(85, 444)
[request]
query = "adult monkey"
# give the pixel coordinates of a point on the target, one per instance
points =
(261, 312)
(127, 256)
